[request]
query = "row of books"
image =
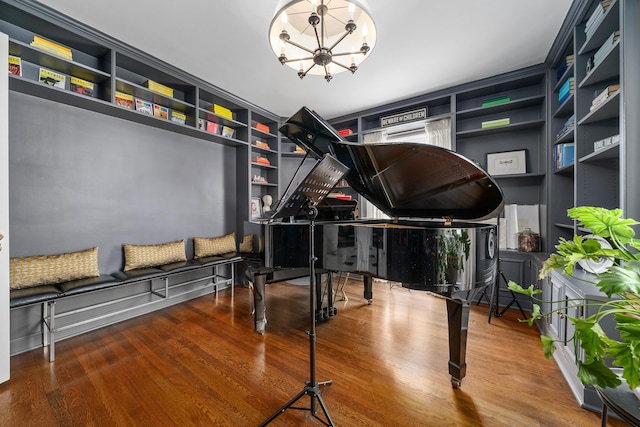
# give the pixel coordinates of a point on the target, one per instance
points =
(563, 155)
(596, 18)
(55, 79)
(496, 123)
(605, 142)
(52, 47)
(567, 127)
(566, 90)
(604, 50)
(216, 128)
(146, 107)
(603, 96)
(261, 160)
(566, 63)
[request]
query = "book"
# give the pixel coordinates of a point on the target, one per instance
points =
(51, 78)
(261, 160)
(345, 132)
(124, 100)
(221, 111)
(15, 65)
(261, 127)
(496, 123)
(144, 107)
(178, 117)
(51, 47)
(213, 128)
(81, 86)
(496, 100)
(228, 132)
(261, 144)
(157, 87)
(160, 111)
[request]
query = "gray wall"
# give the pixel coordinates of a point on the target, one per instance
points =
(80, 179)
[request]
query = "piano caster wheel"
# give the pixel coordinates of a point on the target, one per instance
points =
(260, 327)
(369, 301)
(456, 383)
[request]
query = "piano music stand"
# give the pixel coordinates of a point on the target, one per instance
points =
(304, 200)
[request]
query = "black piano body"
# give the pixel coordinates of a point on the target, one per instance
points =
(434, 239)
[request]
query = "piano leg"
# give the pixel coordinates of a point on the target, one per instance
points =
(458, 317)
(260, 317)
(368, 288)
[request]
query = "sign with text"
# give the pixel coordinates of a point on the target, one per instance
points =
(406, 117)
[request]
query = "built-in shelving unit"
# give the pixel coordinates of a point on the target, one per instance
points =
(209, 113)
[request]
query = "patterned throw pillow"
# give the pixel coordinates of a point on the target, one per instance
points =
(209, 246)
(247, 244)
(140, 256)
(38, 270)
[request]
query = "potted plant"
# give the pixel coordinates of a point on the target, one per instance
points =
(620, 281)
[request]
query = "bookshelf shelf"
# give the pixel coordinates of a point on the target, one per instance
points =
(608, 69)
(608, 110)
(610, 152)
(502, 129)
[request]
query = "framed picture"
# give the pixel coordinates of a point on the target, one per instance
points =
(507, 163)
(256, 208)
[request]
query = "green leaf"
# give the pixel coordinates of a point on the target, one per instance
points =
(548, 345)
(629, 327)
(626, 356)
(604, 222)
(591, 337)
(530, 291)
(618, 280)
(596, 373)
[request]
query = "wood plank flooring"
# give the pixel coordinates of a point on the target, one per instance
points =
(201, 363)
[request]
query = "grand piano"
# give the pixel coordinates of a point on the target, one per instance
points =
(434, 240)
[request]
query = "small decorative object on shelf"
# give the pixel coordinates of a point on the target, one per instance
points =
(604, 143)
(202, 124)
(160, 111)
(528, 241)
(178, 117)
(496, 123)
(507, 163)
(256, 209)
(144, 106)
(124, 100)
(221, 111)
(345, 132)
(51, 78)
(81, 86)
(261, 127)
(15, 65)
(258, 179)
(228, 132)
(51, 47)
(495, 100)
(157, 87)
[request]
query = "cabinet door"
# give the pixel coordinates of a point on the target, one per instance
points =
(556, 320)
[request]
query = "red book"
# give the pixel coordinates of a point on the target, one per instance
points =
(345, 132)
(263, 128)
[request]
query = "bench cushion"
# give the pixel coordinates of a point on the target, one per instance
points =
(139, 274)
(177, 267)
(40, 270)
(141, 256)
(219, 259)
(32, 295)
(210, 246)
(88, 284)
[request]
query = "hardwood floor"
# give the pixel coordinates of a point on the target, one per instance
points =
(201, 363)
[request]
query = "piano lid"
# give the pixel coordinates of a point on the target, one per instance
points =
(404, 180)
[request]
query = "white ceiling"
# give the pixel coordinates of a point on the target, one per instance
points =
(423, 45)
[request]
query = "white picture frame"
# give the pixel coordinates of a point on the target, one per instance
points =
(507, 163)
(256, 208)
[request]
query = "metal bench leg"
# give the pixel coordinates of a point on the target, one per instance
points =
(51, 326)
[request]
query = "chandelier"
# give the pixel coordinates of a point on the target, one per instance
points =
(322, 37)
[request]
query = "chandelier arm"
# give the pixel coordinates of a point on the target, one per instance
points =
(315, 30)
(347, 53)
(308, 58)
(304, 73)
(341, 65)
(346, 33)
(299, 46)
